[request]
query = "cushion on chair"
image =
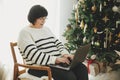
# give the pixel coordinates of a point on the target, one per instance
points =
(26, 76)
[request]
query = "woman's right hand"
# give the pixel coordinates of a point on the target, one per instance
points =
(62, 60)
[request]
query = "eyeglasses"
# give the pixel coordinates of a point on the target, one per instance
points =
(43, 18)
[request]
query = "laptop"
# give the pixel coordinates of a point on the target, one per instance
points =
(79, 56)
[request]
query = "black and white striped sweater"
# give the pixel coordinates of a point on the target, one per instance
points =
(39, 46)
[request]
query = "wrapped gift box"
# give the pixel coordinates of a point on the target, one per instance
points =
(95, 67)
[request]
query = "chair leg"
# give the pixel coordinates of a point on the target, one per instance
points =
(49, 75)
(15, 73)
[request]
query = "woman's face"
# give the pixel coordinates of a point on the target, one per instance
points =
(40, 21)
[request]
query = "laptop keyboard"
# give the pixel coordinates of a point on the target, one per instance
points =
(65, 64)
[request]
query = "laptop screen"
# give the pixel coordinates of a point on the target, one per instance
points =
(80, 54)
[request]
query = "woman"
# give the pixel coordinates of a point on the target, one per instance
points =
(38, 46)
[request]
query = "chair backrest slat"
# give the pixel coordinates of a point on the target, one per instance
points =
(12, 45)
(16, 70)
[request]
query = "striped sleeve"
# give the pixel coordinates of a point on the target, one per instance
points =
(31, 54)
(61, 47)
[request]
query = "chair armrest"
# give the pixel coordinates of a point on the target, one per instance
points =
(37, 68)
(34, 67)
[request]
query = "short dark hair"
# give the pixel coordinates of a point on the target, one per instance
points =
(36, 12)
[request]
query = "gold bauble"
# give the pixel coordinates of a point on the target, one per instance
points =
(97, 43)
(119, 35)
(69, 27)
(82, 1)
(95, 29)
(116, 41)
(94, 8)
(82, 24)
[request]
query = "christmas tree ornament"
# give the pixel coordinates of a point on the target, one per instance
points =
(105, 44)
(110, 37)
(119, 35)
(92, 42)
(84, 7)
(85, 28)
(106, 37)
(116, 41)
(105, 3)
(118, 53)
(76, 16)
(94, 8)
(95, 29)
(117, 24)
(93, 57)
(82, 1)
(100, 32)
(82, 24)
(115, 8)
(68, 27)
(105, 19)
(76, 6)
(100, 7)
(84, 39)
(97, 43)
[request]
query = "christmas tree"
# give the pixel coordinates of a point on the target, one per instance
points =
(96, 22)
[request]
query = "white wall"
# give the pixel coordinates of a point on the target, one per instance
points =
(66, 7)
